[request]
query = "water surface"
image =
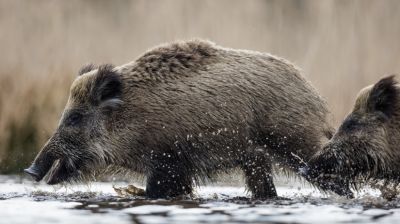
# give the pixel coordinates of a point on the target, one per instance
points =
(22, 201)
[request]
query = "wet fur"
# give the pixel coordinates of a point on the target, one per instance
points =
(371, 153)
(188, 110)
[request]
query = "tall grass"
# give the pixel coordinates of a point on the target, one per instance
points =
(29, 112)
(341, 46)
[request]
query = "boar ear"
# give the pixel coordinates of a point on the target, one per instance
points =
(383, 96)
(107, 88)
(86, 68)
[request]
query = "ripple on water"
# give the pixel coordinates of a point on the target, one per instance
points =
(24, 201)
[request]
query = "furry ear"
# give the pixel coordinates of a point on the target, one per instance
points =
(86, 68)
(107, 88)
(383, 96)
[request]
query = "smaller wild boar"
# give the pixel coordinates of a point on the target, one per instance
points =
(184, 111)
(366, 145)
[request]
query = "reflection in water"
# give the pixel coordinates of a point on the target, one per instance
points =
(22, 201)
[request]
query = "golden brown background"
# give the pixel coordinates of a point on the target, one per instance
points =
(340, 45)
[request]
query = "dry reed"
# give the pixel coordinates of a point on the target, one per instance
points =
(341, 46)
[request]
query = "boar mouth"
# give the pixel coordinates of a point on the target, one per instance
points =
(58, 171)
(330, 171)
(327, 182)
(54, 174)
(61, 170)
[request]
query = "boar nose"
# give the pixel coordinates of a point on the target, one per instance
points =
(304, 171)
(34, 172)
(308, 172)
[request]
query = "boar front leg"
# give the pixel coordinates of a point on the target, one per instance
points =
(258, 173)
(168, 178)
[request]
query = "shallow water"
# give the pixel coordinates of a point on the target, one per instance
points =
(22, 201)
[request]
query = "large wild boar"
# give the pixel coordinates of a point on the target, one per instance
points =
(366, 145)
(184, 111)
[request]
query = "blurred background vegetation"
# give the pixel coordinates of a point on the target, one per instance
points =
(341, 46)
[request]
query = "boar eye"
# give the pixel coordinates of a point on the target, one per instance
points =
(74, 119)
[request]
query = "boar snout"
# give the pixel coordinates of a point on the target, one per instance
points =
(327, 182)
(40, 166)
(309, 172)
(329, 170)
(34, 172)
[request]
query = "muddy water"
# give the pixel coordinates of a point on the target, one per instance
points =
(22, 201)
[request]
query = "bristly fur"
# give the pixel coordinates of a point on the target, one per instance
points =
(384, 95)
(365, 147)
(87, 68)
(184, 111)
(171, 62)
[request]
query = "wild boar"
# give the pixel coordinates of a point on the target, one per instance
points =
(181, 113)
(366, 145)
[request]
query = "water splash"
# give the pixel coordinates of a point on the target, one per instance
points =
(99, 203)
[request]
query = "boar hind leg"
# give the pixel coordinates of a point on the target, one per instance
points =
(258, 173)
(167, 180)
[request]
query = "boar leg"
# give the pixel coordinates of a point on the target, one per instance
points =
(168, 179)
(258, 173)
